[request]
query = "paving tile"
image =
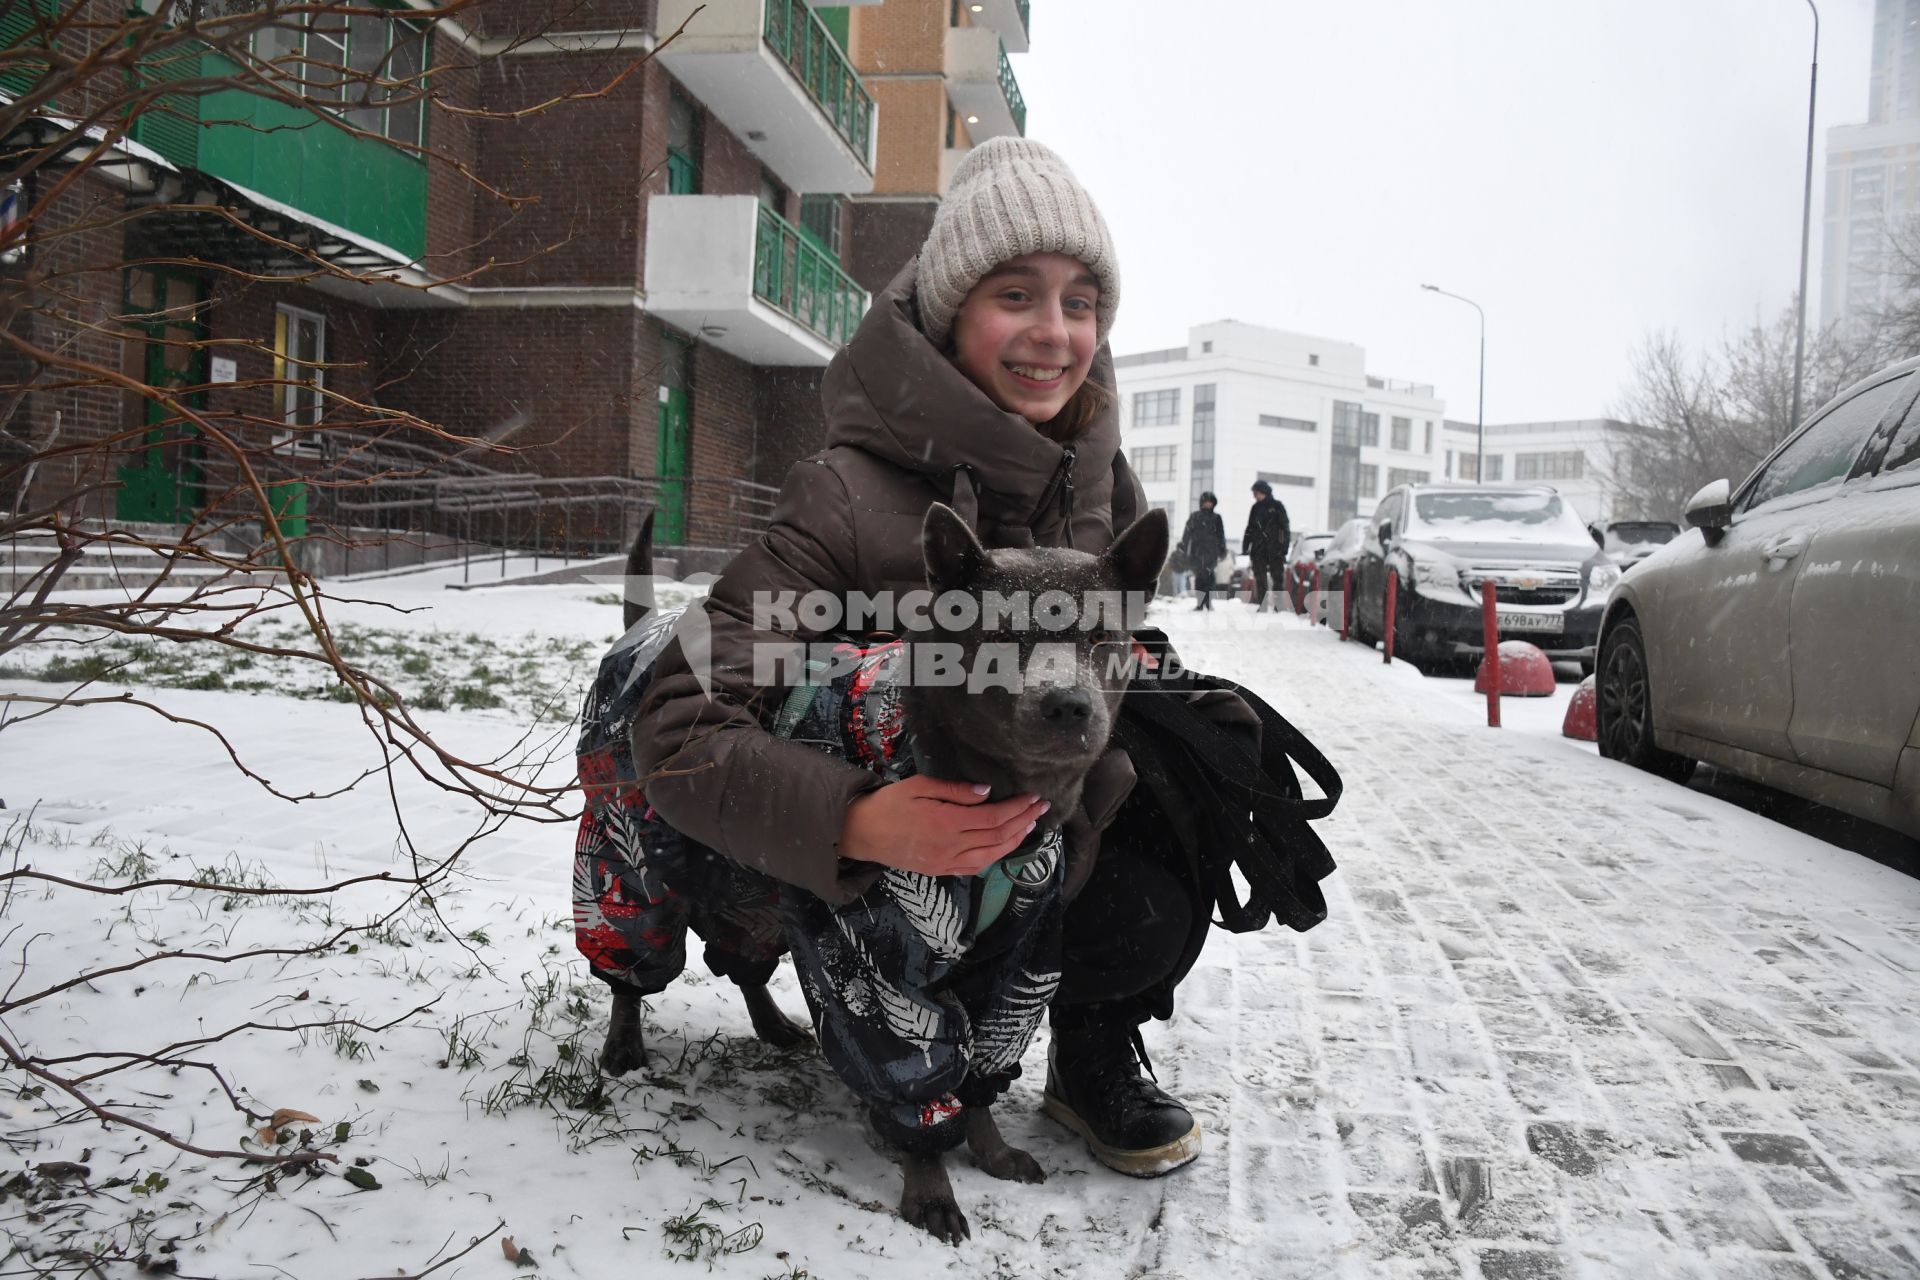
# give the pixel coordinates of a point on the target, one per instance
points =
(1522, 1264)
(1789, 1171)
(1856, 1248)
(1383, 1151)
(1569, 1148)
(1548, 1084)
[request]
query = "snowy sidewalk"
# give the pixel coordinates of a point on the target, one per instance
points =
(1564, 1020)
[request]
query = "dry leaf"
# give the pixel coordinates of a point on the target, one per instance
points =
(287, 1115)
(508, 1247)
(267, 1135)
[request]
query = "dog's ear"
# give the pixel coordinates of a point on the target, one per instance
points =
(1139, 552)
(955, 558)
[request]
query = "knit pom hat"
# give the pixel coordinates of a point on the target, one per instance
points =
(1010, 196)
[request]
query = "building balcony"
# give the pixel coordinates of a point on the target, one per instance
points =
(1008, 17)
(284, 161)
(981, 86)
(775, 76)
(747, 281)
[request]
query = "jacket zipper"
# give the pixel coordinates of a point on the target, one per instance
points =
(1062, 484)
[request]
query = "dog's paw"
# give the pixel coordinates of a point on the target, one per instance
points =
(938, 1216)
(1010, 1164)
(770, 1024)
(622, 1052)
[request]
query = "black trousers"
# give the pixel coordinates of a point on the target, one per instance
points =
(1137, 926)
(1266, 576)
(1203, 579)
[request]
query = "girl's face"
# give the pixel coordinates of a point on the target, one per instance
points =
(1026, 333)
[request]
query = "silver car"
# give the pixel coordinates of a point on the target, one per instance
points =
(1779, 636)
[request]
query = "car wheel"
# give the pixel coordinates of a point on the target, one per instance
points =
(1625, 706)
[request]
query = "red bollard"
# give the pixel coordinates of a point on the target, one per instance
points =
(1580, 721)
(1393, 600)
(1490, 637)
(1346, 602)
(1316, 603)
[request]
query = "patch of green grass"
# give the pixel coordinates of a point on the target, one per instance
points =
(539, 676)
(691, 1237)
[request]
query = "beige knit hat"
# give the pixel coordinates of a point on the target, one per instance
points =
(1010, 196)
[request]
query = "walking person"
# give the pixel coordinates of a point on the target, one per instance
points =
(1265, 544)
(1202, 545)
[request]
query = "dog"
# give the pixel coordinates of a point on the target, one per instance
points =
(1036, 728)
(625, 1048)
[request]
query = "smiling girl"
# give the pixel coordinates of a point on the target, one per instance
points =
(980, 378)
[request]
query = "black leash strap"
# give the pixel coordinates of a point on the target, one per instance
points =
(1245, 810)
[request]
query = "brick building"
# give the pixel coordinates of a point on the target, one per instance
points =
(644, 228)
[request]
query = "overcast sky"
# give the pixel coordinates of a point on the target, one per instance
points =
(1587, 172)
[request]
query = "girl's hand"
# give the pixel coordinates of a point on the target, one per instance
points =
(937, 828)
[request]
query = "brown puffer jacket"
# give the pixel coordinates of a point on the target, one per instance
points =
(905, 429)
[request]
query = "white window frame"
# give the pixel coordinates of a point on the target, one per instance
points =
(287, 384)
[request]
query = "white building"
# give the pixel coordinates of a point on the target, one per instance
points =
(1873, 174)
(1578, 457)
(1241, 403)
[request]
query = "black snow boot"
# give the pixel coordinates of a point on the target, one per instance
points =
(1095, 1087)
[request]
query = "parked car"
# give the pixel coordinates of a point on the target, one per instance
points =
(1628, 542)
(1303, 557)
(1344, 550)
(1776, 637)
(1442, 542)
(1341, 555)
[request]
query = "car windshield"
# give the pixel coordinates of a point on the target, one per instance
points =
(1315, 542)
(1640, 533)
(1502, 507)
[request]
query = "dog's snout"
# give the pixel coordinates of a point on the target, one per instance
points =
(1066, 708)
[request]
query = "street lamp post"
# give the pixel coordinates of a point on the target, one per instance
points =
(1806, 225)
(1480, 426)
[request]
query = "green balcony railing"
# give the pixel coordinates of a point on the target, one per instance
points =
(791, 273)
(803, 42)
(1026, 15)
(170, 123)
(25, 28)
(1011, 88)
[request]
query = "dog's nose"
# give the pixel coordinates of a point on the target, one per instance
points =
(1066, 708)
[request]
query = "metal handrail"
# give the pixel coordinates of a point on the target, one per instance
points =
(378, 496)
(809, 50)
(792, 273)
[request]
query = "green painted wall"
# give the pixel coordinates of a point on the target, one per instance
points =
(286, 153)
(834, 18)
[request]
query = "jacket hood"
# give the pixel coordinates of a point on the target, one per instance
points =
(892, 393)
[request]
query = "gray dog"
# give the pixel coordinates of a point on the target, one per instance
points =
(1038, 734)
(1045, 656)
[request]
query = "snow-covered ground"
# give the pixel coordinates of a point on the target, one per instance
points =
(1564, 1020)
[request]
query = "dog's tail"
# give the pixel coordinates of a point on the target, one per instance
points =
(638, 596)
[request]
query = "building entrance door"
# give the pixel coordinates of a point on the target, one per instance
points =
(161, 480)
(671, 445)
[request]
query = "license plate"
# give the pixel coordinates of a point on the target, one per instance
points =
(1551, 622)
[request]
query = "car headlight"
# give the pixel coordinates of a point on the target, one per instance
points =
(1437, 571)
(1603, 577)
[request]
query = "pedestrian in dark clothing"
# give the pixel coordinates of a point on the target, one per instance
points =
(1202, 545)
(1265, 542)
